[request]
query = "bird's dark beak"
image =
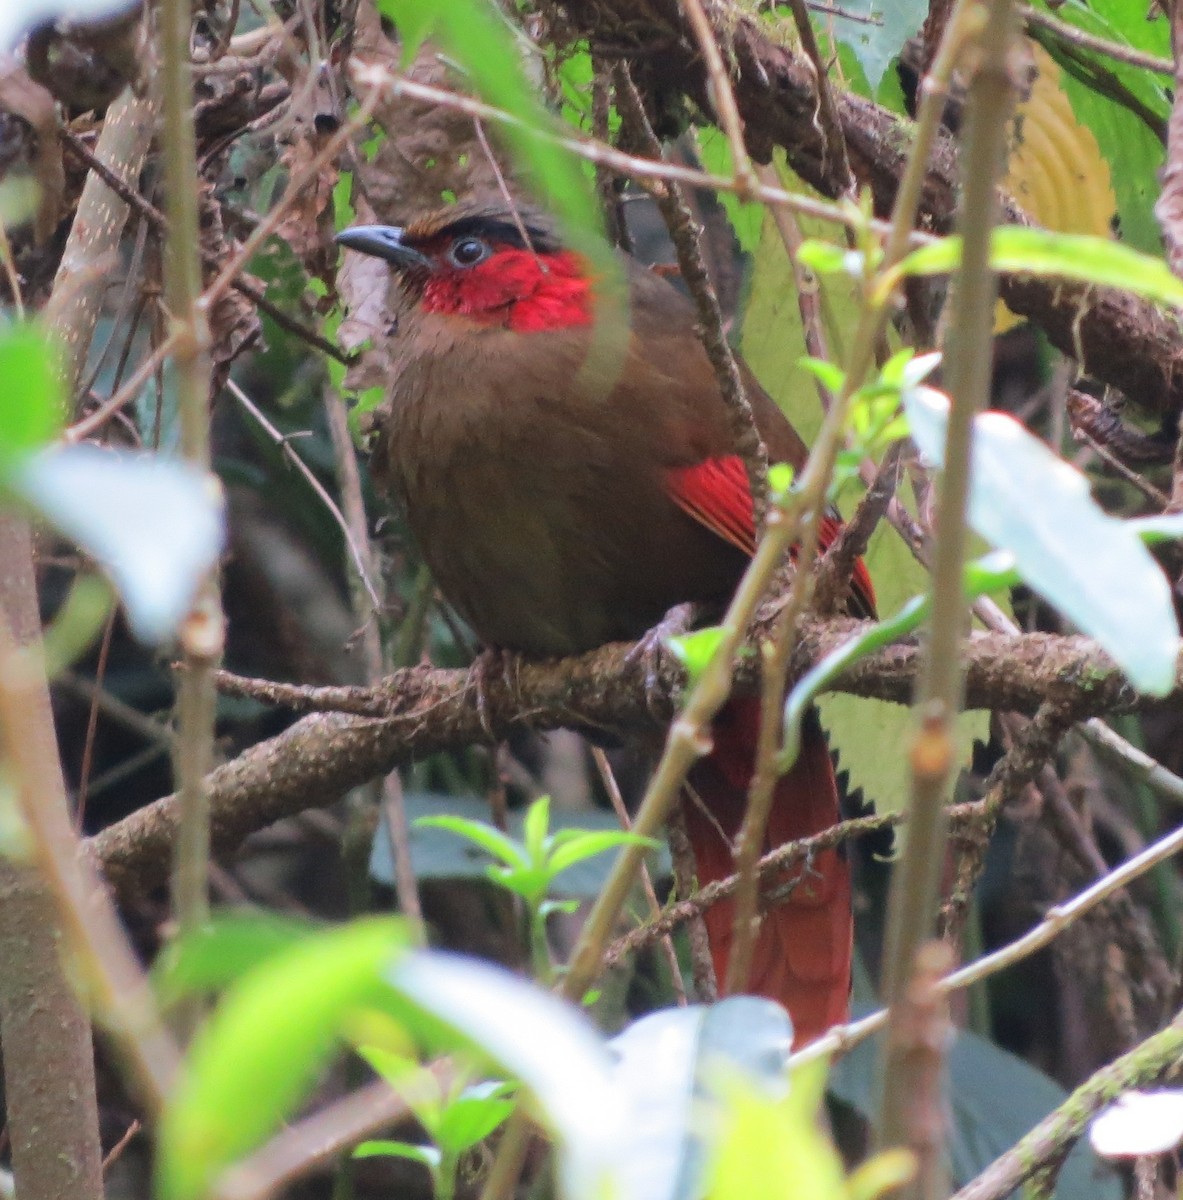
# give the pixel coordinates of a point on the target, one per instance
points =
(384, 241)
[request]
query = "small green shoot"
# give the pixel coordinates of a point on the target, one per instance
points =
(695, 650)
(456, 1116)
(530, 867)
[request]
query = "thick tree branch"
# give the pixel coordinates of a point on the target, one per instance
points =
(1119, 339)
(420, 711)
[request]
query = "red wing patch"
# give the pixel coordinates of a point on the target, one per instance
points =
(715, 493)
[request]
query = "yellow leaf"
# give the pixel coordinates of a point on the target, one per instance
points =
(1055, 168)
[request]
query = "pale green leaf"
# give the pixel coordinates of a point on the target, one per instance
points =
(1093, 567)
(1080, 257)
(155, 525)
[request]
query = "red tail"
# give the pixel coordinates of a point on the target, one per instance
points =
(803, 949)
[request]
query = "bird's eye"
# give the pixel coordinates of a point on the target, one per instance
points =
(467, 252)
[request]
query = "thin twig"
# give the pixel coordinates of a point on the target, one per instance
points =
(608, 779)
(685, 235)
(629, 165)
(702, 965)
(1051, 1139)
(366, 607)
(1032, 743)
(155, 218)
(285, 446)
(836, 567)
(922, 1035)
(772, 866)
(827, 111)
(90, 424)
(292, 192)
(723, 97)
(1034, 18)
(202, 633)
(1057, 919)
(114, 978)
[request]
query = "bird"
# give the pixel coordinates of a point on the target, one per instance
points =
(564, 499)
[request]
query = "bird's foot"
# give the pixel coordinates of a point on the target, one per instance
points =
(490, 663)
(650, 648)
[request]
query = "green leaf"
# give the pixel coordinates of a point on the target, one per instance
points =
(826, 258)
(437, 854)
(275, 1028)
(1091, 566)
(695, 650)
(668, 1066)
(1087, 259)
(77, 624)
(780, 482)
(765, 1138)
(155, 525)
(473, 1115)
(574, 846)
(491, 840)
(534, 830)
(1133, 149)
(832, 377)
(879, 37)
(429, 1156)
(549, 1046)
(32, 394)
(747, 219)
(813, 682)
(219, 953)
(531, 882)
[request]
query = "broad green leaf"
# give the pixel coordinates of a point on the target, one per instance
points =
(155, 525)
(31, 411)
(1086, 259)
(261, 1049)
(215, 956)
(1091, 566)
(668, 1066)
(870, 735)
(480, 833)
(810, 685)
(549, 1046)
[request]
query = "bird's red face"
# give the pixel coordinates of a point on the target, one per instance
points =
(481, 268)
